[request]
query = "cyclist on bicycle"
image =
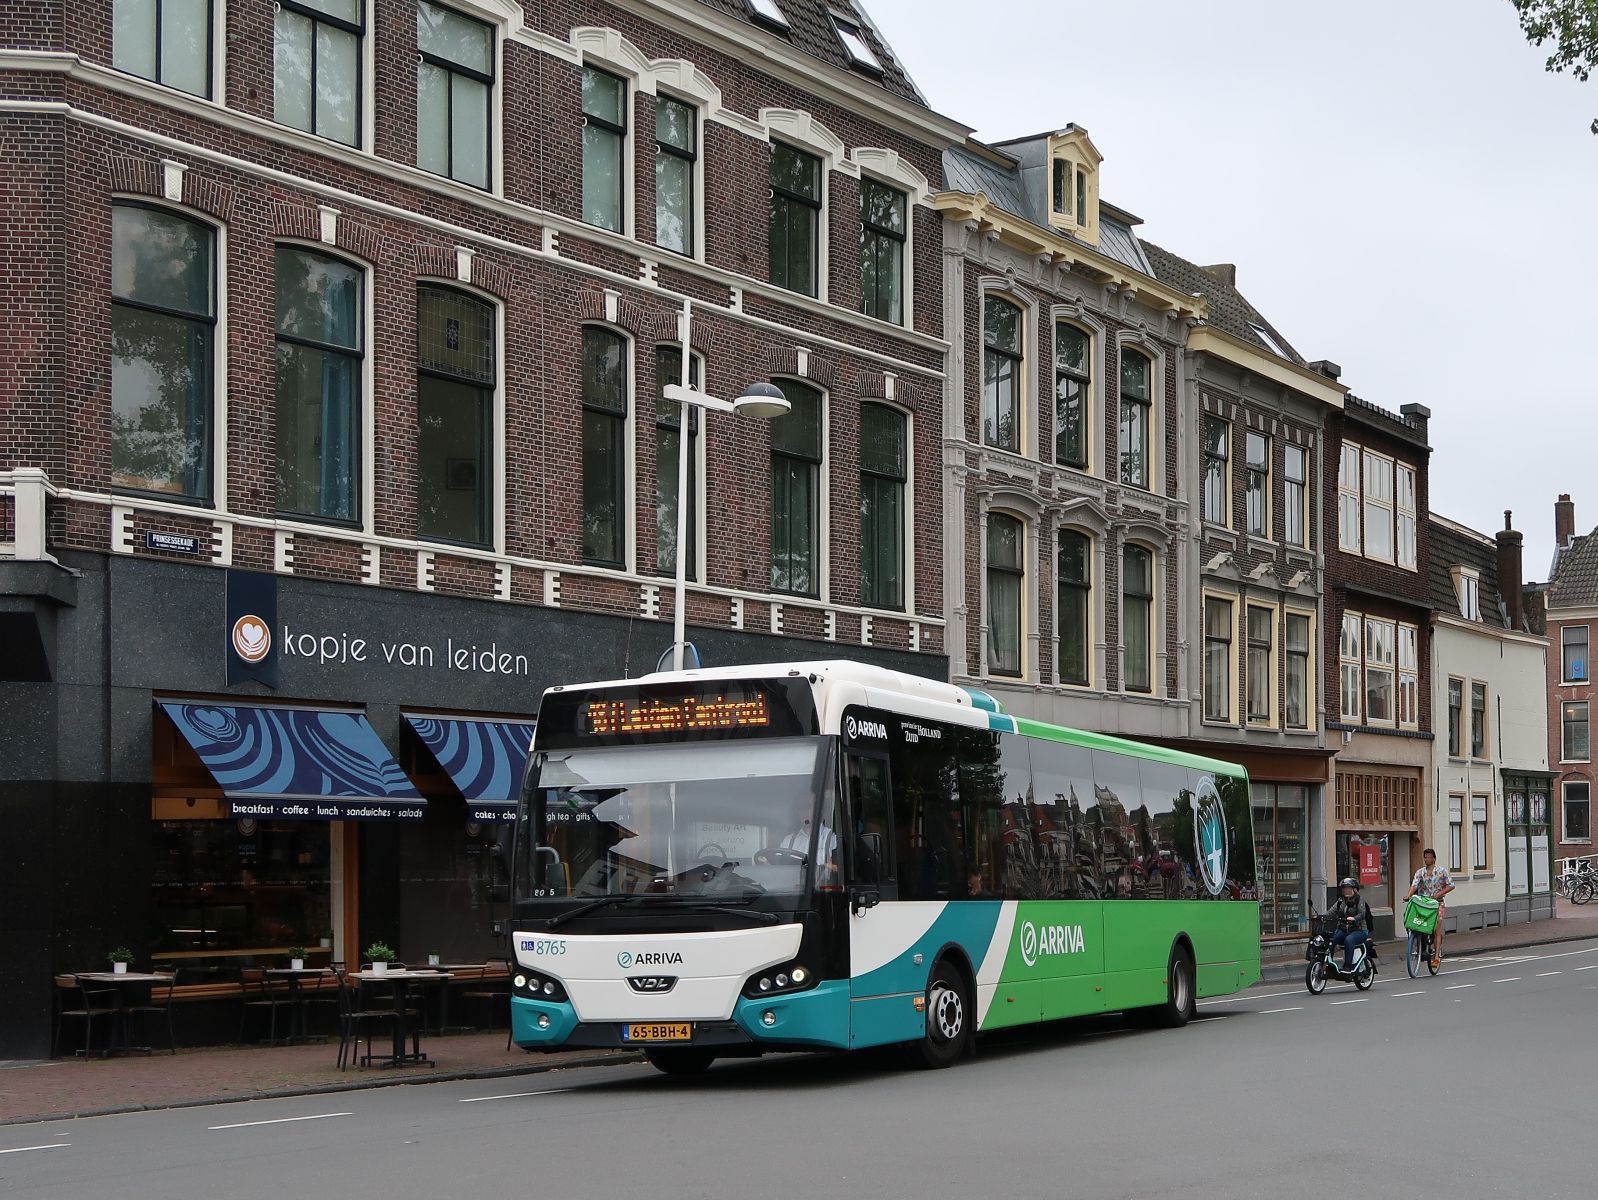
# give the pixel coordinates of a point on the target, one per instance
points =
(1354, 923)
(1434, 882)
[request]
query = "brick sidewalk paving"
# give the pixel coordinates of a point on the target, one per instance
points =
(75, 1087)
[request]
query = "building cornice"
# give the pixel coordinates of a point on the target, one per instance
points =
(1451, 621)
(1023, 235)
(1206, 339)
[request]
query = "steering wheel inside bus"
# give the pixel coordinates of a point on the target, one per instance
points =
(776, 855)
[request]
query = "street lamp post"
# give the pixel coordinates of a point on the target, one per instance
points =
(758, 400)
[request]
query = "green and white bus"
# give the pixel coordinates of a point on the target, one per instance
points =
(827, 855)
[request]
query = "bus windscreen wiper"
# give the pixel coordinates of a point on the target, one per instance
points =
(592, 906)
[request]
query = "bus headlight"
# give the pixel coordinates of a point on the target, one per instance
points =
(536, 987)
(789, 977)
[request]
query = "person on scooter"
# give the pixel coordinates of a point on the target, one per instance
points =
(1354, 922)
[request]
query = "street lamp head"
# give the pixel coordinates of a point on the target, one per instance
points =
(762, 400)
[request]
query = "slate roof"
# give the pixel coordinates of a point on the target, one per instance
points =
(1230, 310)
(965, 171)
(811, 30)
(1449, 548)
(1573, 581)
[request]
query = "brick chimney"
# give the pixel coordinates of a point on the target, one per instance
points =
(1418, 415)
(1511, 585)
(1225, 272)
(1564, 520)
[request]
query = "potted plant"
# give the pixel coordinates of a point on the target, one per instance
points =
(326, 939)
(119, 959)
(296, 958)
(379, 955)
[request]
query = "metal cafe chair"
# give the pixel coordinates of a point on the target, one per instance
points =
(356, 1021)
(76, 1002)
(158, 1007)
(257, 995)
(493, 993)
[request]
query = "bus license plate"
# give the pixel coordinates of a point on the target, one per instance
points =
(674, 1032)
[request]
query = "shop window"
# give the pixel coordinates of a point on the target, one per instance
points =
(163, 329)
(1073, 614)
(883, 473)
(168, 41)
(605, 390)
(604, 149)
(454, 84)
(1280, 849)
(668, 432)
(796, 460)
(317, 67)
(676, 162)
(882, 241)
(1006, 575)
(320, 344)
(1367, 857)
(456, 368)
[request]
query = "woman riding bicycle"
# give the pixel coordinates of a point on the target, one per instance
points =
(1434, 882)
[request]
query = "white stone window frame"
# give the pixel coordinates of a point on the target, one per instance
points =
(1024, 508)
(496, 518)
(629, 443)
(1232, 601)
(890, 168)
(216, 71)
(1078, 315)
(1273, 660)
(366, 127)
(1311, 665)
(698, 464)
(503, 17)
(368, 414)
(1087, 518)
(219, 355)
(908, 531)
(1157, 541)
(823, 494)
(1142, 343)
(797, 128)
(1002, 288)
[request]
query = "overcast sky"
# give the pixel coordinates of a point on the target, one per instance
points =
(1402, 186)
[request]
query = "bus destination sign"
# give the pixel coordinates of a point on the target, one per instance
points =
(701, 710)
(691, 714)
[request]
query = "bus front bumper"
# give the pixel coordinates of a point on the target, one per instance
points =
(815, 1019)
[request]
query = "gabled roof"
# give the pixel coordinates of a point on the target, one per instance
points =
(1574, 580)
(1452, 545)
(809, 26)
(1230, 310)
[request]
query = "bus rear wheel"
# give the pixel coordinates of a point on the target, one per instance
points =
(679, 1061)
(1181, 997)
(951, 1018)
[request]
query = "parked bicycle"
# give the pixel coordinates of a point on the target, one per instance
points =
(1577, 880)
(1420, 919)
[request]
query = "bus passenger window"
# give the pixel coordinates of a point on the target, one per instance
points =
(871, 854)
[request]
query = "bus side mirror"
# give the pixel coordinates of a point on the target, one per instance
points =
(862, 898)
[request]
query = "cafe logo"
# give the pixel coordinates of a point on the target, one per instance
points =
(252, 639)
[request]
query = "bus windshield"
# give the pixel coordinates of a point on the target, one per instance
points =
(714, 821)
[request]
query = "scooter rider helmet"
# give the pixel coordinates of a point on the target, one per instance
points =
(1350, 882)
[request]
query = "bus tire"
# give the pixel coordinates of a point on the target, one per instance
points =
(1181, 994)
(950, 1018)
(680, 1061)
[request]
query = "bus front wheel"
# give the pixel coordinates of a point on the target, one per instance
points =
(680, 1061)
(1181, 1004)
(951, 1018)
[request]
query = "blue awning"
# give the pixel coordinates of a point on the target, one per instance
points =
(304, 763)
(485, 759)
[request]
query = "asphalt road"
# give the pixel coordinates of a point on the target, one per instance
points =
(1476, 1083)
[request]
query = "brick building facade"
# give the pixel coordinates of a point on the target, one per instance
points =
(387, 330)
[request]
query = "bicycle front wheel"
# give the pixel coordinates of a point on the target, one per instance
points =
(1412, 954)
(1581, 891)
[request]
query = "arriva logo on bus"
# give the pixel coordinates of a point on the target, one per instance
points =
(1049, 941)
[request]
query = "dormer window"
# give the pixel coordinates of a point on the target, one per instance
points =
(767, 11)
(1062, 187)
(860, 54)
(1073, 184)
(1467, 588)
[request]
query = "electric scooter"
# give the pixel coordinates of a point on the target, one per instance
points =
(1325, 957)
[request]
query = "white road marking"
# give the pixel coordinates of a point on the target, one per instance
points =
(513, 1095)
(1248, 996)
(1401, 995)
(1591, 967)
(1546, 974)
(1511, 979)
(1361, 1000)
(279, 1121)
(25, 1149)
(1267, 1012)
(1454, 987)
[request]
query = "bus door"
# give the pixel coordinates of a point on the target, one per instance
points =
(884, 979)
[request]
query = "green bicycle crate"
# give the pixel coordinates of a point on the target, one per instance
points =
(1420, 914)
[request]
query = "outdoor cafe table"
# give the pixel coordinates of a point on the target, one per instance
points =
(123, 984)
(298, 1001)
(402, 981)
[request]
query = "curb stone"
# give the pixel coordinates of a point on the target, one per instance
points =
(603, 1059)
(1282, 970)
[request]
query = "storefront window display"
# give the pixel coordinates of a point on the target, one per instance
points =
(1526, 818)
(1280, 815)
(1367, 857)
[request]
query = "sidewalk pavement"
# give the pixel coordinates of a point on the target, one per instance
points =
(1570, 923)
(95, 1087)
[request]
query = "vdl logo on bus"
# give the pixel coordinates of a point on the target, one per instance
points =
(1050, 940)
(1209, 835)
